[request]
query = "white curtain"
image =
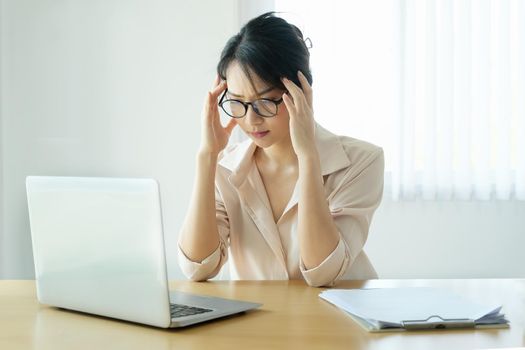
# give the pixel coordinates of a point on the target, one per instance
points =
(439, 84)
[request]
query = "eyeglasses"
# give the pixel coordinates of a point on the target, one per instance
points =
(237, 109)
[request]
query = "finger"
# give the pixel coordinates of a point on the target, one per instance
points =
(216, 120)
(216, 82)
(219, 89)
(231, 125)
(307, 89)
(211, 106)
(289, 104)
(294, 90)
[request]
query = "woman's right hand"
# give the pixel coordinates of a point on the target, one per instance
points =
(214, 136)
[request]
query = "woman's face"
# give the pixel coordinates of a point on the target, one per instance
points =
(265, 132)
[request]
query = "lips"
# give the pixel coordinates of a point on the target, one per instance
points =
(260, 134)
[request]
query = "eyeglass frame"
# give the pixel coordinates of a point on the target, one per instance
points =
(246, 104)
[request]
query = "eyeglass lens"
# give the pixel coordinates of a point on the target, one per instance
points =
(236, 109)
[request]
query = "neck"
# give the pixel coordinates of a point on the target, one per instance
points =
(279, 155)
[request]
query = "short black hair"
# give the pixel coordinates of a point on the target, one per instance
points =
(271, 48)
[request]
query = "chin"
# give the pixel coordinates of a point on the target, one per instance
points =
(262, 143)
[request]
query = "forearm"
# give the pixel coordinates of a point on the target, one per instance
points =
(318, 235)
(199, 233)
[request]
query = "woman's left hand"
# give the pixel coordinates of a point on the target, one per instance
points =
(300, 110)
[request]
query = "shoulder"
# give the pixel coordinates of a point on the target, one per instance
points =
(360, 177)
(348, 152)
(361, 153)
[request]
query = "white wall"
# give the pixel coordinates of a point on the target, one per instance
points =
(104, 88)
(424, 239)
(2, 244)
(114, 88)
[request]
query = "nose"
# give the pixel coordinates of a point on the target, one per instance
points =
(252, 117)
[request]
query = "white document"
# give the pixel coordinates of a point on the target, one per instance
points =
(413, 308)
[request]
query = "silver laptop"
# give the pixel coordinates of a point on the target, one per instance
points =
(98, 248)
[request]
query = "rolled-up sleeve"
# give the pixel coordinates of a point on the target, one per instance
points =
(211, 265)
(352, 205)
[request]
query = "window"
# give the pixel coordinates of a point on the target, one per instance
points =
(439, 84)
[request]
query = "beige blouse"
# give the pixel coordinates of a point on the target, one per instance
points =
(258, 248)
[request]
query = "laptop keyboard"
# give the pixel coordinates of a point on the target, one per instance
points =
(178, 310)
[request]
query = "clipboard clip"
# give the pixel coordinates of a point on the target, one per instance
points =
(437, 322)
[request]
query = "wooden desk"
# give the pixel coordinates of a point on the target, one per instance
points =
(292, 317)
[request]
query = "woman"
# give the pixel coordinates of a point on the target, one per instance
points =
(294, 201)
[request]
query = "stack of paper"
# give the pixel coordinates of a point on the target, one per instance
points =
(388, 309)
